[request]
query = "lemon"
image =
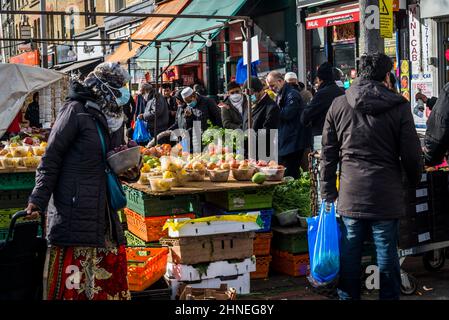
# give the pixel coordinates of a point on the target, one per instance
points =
(164, 184)
(43, 144)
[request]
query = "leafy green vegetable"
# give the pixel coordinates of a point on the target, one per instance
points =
(294, 194)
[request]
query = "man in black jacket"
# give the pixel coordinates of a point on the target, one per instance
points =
(315, 113)
(370, 131)
(171, 103)
(294, 138)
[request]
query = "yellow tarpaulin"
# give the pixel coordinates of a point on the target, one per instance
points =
(177, 225)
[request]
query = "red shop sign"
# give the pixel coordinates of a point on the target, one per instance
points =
(333, 19)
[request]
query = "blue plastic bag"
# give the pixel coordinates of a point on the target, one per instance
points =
(324, 246)
(141, 134)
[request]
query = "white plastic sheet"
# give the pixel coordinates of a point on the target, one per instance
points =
(16, 83)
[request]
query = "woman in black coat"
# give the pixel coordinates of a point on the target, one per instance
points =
(83, 231)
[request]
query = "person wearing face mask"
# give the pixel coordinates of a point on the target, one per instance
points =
(200, 108)
(156, 109)
(71, 190)
(233, 107)
(141, 100)
(293, 136)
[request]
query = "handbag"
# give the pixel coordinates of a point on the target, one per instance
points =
(115, 193)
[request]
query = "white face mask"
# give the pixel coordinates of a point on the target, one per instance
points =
(236, 97)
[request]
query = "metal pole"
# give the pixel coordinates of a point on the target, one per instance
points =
(2, 44)
(302, 69)
(370, 33)
(158, 47)
(248, 81)
(43, 26)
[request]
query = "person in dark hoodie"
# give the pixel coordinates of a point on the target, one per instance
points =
(315, 112)
(83, 231)
(370, 132)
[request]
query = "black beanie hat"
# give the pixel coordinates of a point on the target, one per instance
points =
(256, 84)
(325, 72)
(232, 85)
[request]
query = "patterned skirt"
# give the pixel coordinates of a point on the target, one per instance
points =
(78, 273)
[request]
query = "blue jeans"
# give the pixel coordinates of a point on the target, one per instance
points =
(385, 236)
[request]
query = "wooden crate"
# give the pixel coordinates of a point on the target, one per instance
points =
(194, 250)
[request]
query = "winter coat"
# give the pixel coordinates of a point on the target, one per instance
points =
(370, 131)
(172, 107)
(232, 118)
(206, 109)
(71, 179)
(315, 113)
(437, 135)
(293, 136)
(265, 115)
(157, 108)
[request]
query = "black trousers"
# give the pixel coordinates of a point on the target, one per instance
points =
(292, 163)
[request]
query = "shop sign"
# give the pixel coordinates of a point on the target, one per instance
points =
(405, 79)
(62, 54)
(415, 41)
(386, 18)
(29, 58)
(333, 19)
(89, 50)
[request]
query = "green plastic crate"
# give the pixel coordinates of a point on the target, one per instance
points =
(17, 181)
(121, 216)
(261, 198)
(151, 206)
(292, 240)
(134, 241)
(3, 234)
(6, 216)
(14, 198)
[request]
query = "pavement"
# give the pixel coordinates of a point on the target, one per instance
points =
(430, 285)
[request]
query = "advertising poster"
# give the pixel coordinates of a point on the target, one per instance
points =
(405, 79)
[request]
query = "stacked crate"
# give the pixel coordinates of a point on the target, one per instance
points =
(258, 201)
(210, 254)
(290, 251)
(15, 188)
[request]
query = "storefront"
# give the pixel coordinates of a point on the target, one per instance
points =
(31, 58)
(333, 34)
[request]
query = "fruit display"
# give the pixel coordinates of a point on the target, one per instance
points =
(259, 178)
(40, 149)
(31, 161)
(160, 184)
(22, 153)
(10, 162)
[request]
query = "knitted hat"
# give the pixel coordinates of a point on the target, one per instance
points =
(325, 72)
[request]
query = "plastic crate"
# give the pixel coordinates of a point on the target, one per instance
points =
(158, 291)
(121, 216)
(3, 234)
(150, 206)
(290, 264)
(235, 200)
(150, 228)
(292, 240)
(145, 266)
(262, 244)
(14, 198)
(262, 268)
(17, 181)
(134, 241)
(209, 209)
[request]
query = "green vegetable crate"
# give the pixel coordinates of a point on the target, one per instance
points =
(134, 241)
(261, 198)
(151, 206)
(17, 181)
(292, 239)
(14, 198)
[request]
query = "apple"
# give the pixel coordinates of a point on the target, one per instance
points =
(28, 141)
(261, 163)
(234, 164)
(226, 150)
(212, 166)
(272, 164)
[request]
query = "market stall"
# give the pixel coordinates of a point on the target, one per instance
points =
(21, 151)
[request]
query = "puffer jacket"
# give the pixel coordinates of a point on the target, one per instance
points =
(71, 179)
(370, 131)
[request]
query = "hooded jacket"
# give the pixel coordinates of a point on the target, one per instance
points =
(232, 118)
(71, 178)
(370, 131)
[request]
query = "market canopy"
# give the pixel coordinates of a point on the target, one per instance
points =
(149, 29)
(147, 58)
(17, 81)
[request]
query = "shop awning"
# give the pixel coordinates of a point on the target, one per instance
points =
(334, 16)
(434, 8)
(149, 29)
(147, 59)
(81, 64)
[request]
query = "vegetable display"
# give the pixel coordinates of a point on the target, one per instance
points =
(294, 194)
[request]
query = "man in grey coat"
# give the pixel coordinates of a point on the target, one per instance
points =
(156, 109)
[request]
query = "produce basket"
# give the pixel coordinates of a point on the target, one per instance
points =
(262, 267)
(145, 266)
(150, 228)
(262, 244)
(124, 160)
(290, 264)
(150, 206)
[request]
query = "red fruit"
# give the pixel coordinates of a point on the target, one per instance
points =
(28, 141)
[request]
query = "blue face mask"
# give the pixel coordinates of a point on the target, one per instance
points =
(192, 104)
(253, 98)
(124, 99)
